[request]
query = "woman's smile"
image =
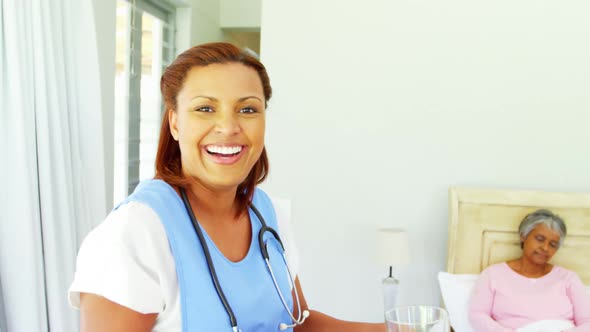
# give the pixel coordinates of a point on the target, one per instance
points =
(224, 154)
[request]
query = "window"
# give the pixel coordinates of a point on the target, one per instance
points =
(145, 45)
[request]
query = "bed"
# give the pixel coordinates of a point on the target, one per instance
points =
(483, 230)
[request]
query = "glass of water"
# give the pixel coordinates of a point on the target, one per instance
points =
(417, 319)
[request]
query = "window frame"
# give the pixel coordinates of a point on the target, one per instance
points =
(167, 14)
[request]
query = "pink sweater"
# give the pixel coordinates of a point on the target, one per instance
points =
(504, 300)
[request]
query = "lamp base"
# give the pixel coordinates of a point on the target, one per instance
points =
(390, 287)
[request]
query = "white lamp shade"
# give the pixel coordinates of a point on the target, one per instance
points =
(392, 247)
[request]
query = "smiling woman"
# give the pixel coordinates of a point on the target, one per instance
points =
(200, 95)
(200, 248)
(219, 123)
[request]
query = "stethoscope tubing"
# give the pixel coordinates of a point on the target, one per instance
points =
(212, 273)
(264, 252)
(299, 313)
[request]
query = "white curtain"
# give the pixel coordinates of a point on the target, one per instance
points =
(52, 168)
(2, 312)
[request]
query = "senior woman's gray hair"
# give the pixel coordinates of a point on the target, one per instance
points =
(546, 217)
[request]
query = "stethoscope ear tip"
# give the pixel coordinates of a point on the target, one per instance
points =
(283, 326)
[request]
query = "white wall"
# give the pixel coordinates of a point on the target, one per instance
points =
(380, 107)
(198, 24)
(204, 21)
(243, 14)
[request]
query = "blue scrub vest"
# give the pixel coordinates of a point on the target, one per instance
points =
(247, 284)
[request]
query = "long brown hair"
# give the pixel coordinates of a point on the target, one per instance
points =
(168, 164)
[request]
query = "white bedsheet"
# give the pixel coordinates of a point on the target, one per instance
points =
(547, 326)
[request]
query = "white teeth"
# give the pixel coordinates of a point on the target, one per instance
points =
(224, 149)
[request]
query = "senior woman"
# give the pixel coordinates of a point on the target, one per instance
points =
(517, 293)
(199, 247)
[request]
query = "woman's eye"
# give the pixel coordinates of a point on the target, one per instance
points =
(247, 110)
(205, 109)
(553, 244)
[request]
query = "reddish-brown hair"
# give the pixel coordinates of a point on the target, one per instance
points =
(168, 164)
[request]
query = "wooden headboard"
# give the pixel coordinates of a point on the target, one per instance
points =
(483, 227)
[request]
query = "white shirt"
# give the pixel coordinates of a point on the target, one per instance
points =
(127, 259)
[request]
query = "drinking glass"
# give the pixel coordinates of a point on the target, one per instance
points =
(417, 319)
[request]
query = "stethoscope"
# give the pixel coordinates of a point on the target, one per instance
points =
(301, 316)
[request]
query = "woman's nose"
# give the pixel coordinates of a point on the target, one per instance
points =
(227, 123)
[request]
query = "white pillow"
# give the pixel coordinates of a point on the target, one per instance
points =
(456, 291)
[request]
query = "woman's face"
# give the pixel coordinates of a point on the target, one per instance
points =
(541, 244)
(219, 124)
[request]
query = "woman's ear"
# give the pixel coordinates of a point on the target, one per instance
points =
(173, 123)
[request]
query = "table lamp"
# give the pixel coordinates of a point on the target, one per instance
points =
(393, 251)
